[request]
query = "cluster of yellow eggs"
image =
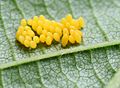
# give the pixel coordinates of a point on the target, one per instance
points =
(41, 30)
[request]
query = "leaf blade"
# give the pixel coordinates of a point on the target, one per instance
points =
(82, 68)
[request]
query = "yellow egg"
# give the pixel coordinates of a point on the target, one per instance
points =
(81, 22)
(48, 21)
(24, 33)
(55, 24)
(60, 25)
(39, 30)
(52, 21)
(63, 21)
(21, 39)
(65, 31)
(40, 23)
(19, 32)
(21, 28)
(71, 39)
(72, 22)
(77, 24)
(28, 38)
(69, 17)
(77, 37)
(42, 18)
(56, 36)
(33, 44)
(67, 25)
(65, 40)
(27, 28)
(46, 26)
(44, 32)
(50, 34)
(72, 32)
(27, 43)
(42, 38)
(48, 40)
(72, 27)
(80, 33)
(58, 30)
(23, 22)
(34, 25)
(29, 22)
(52, 29)
(30, 33)
(35, 18)
(36, 39)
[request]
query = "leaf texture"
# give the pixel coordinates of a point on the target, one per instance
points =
(89, 65)
(115, 82)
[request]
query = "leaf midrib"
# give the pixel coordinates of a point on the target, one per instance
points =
(58, 53)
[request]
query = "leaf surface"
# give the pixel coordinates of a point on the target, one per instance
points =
(115, 82)
(89, 65)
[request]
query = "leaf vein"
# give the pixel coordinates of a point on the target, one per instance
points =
(97, 23)
(102, 83)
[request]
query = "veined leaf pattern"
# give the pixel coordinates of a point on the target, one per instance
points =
(89, 65)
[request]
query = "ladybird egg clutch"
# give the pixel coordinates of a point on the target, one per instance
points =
(41, 30)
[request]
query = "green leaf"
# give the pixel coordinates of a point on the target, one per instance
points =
(89, 65)
(115, 82)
